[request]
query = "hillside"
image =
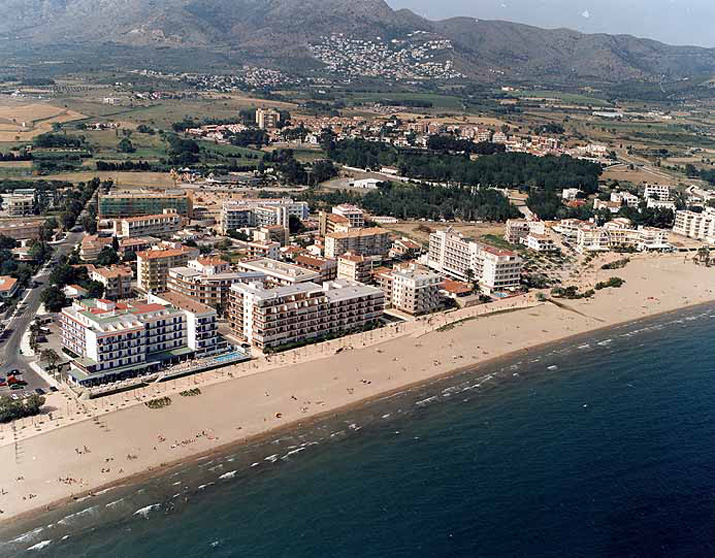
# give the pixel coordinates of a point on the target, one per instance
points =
(286, 32)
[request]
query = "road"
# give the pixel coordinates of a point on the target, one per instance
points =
(10, 357)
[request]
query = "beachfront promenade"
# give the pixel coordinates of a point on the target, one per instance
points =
(67, 408)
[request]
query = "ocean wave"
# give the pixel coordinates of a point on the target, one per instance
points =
(202, 486)
(27, 537)
(272, 458)
(85, 511)
(145, 511)
(292, 452)
(40, 545)
(228, 475)
(112, 504)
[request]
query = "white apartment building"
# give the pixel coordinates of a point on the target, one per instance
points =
(113, 340)
(165, 224)
(464, 259)
(207, 281)
(631, 200)
(261, 212)
(201, 323)
(498, 270)
(657, 192)
(267, 118)
(117, 280)
(353, 214)
(518, 229)
(618, 235)
(541, 243)
(153, 266)
(654, 203)
(364, 242)
(19, 202)
(279, 273)
(570, 194)
(269, 318)
(700, 226)
(415, 292)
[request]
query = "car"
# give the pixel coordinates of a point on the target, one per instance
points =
(16, 387)
(15, 396)
(15, 372)
(3, 383)
(53, 389)
(40, 391)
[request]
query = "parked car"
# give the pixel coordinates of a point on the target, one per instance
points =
(53, 389)
(16, 387)
(40, 391)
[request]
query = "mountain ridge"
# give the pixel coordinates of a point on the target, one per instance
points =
(279, 30)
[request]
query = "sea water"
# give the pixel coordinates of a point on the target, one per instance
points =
(599, 446)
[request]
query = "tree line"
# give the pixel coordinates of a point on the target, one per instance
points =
(513, 170)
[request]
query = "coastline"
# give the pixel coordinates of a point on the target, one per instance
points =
(383, 369)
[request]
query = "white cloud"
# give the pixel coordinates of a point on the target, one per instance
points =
(585, 14)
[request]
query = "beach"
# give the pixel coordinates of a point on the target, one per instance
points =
(115, 438)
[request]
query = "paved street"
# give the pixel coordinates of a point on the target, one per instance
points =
(25, 312)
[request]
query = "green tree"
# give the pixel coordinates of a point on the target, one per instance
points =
(108, 256)
(54, 299)
(126, 146)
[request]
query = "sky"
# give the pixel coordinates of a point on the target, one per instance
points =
(679, 22)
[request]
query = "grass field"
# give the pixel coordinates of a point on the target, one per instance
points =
(135, 179)
(571, 98)
(419, 231)
(438, 101)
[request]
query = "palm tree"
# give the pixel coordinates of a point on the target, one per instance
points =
(703, 256)
(50, 357)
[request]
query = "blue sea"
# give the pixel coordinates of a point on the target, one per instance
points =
(603, 445)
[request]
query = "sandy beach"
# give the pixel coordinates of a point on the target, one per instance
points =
(111, 439)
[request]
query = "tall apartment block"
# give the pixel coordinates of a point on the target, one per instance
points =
(261, 212)
(153, 266)
(138, 203)
(363, 242)
(270, 318)
(207, 281)
(164, 224)
(464, 259)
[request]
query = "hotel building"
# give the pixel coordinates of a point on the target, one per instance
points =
(700, 226)
(157, 225)
(328, 269)
(153, 266)
(21, 230)
(279, 273)
(19, 202)
(412, 291)
(364, 242)
(353, 214)
(112, 340)
(202, 335)
(207, 281)
(92, 246)
(117, 280)
(466, 260)
(269, 318)
(261, 212)
(136, 204)
(356, 268)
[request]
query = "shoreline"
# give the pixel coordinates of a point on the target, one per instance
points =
(460, 335)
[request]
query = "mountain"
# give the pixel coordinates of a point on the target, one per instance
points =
(282, 32)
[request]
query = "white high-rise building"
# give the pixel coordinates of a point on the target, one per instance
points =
(467, 260)
(700, 226)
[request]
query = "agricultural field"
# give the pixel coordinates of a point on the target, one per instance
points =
(21, 121)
